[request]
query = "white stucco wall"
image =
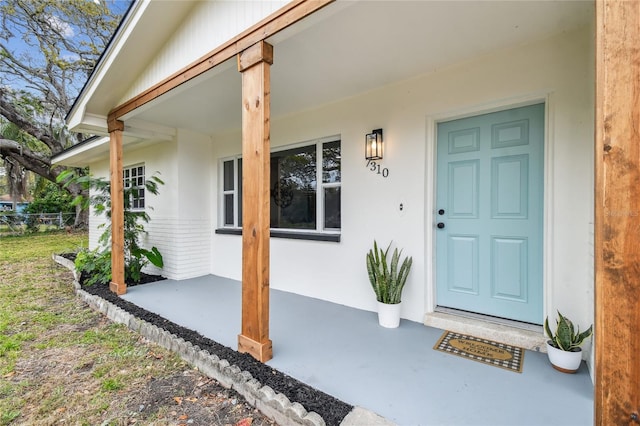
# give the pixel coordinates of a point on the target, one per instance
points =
(557, 70)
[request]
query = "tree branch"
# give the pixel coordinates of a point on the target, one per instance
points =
(8, 146)
(11, 113)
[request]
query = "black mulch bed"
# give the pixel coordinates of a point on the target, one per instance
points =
(329, 408)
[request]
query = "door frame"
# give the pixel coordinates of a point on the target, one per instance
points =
(430, 184)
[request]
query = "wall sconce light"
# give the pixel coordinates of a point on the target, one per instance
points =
(373, 145)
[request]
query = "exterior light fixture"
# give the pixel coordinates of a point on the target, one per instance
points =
(373, 145)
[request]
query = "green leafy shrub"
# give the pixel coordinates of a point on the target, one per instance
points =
(94, 265)
(135, 256)
(50, 198)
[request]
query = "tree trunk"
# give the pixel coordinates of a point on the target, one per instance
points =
(82, 218)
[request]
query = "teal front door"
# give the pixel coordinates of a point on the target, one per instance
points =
(489, 209)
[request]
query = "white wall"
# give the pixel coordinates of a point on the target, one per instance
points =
(558, 69)
(194, 227)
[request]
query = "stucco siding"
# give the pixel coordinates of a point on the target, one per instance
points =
(557, 71)
(209, 25)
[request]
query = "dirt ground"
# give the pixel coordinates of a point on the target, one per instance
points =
(63, 363)
(184, 397)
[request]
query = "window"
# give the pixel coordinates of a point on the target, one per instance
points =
(293, 188)
(305, 188)
(232, 192)
(133, 180)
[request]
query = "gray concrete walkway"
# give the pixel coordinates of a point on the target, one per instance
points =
(395, 373)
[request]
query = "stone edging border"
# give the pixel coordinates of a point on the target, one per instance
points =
(272, 404)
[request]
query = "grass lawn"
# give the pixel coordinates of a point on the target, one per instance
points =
(61, 362)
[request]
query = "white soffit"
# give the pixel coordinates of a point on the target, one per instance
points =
(350, 48)
(84, 153)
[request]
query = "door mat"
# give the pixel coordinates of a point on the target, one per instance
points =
(482, 350)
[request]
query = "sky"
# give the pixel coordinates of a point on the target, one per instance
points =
(21, 49)
(18, 46)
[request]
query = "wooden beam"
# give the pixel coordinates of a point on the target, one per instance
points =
(617, 213)
(256, 65)
(260, 52)
(274, 23)
(117, 284)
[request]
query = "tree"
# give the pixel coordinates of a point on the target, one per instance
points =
(15, 175)
(48, 49)
(50, 198)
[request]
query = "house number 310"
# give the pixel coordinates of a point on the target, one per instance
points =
(377, 169)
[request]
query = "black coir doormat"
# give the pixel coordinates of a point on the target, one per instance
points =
(482, 350)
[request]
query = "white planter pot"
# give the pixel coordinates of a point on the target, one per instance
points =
(389, 315)
(567, 362)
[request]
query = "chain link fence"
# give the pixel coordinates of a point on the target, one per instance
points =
(20, 223)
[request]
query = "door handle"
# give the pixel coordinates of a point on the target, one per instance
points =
(440, 225)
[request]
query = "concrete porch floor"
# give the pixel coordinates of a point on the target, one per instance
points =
(395, 373)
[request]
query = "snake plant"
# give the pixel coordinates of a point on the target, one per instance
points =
(566, 338)
(386, 278)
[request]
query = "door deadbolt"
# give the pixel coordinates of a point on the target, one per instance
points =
(441, 212)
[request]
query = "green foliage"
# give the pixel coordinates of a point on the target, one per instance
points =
(136, 257)
(95, 264)
(386, 278)
(50, 198)
(139, 259)
(566, 338)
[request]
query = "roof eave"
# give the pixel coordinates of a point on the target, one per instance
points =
(75, 118)
(83, 153)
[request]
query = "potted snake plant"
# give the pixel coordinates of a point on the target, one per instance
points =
(563, 347)
(388, 280)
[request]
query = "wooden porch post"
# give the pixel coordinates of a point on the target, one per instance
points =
(617, 213)
(117, 284)
(255, 64)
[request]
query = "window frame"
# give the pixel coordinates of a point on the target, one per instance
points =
(332, 234)
(143, 186)
(234, 192)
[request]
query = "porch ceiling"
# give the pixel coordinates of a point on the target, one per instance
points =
(353, 47)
